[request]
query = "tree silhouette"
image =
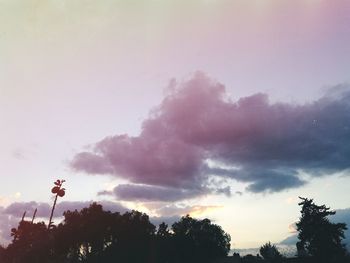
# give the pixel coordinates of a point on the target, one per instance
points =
(135, 234)
(31, 243)
(2, 254)
(270, 253)
(94, 235)
(318, 237)
(84, 235)
(163, 245)
(199, 240)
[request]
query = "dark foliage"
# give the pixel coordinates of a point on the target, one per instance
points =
(270, 253)
(252, 259)
(319, 238)
(199, 240)
(94, 235)
(2, 253)
(31, 243)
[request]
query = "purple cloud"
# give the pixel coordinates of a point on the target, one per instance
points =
(133, 192)
(250, 140)
(18, 208)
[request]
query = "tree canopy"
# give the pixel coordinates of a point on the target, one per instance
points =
(318, 237)
(270, 253)
(199, 239)
(94, 235)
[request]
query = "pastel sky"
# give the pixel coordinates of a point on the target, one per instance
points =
(227, 109)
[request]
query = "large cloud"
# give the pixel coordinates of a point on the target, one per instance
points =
(198, 132)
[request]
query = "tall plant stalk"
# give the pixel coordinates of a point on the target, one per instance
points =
(60, 192)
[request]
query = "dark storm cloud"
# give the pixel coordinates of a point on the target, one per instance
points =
(250, 140)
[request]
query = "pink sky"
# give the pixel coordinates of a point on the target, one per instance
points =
(74, 72)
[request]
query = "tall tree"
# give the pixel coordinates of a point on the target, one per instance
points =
(319, 238)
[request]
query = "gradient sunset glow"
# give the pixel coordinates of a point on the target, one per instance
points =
(226, 109)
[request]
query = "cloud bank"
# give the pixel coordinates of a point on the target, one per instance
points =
(198, 133)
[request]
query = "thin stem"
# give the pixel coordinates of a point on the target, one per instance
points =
(34, 215)
(53, 208)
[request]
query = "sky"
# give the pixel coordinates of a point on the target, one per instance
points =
(226, 109)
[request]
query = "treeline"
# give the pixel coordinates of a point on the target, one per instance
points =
(95, 235)
(320, 240)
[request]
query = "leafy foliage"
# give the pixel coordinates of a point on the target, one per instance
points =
(318, 237)
(199, 239)
(31, 243)
(270, 253)
(93, 235)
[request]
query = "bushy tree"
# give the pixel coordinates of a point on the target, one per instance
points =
(93, 235)
(163, 244)
(133, 238)
(270, 253)
(84, 235)
(318, 237)
(31, 243)
(199, 240)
